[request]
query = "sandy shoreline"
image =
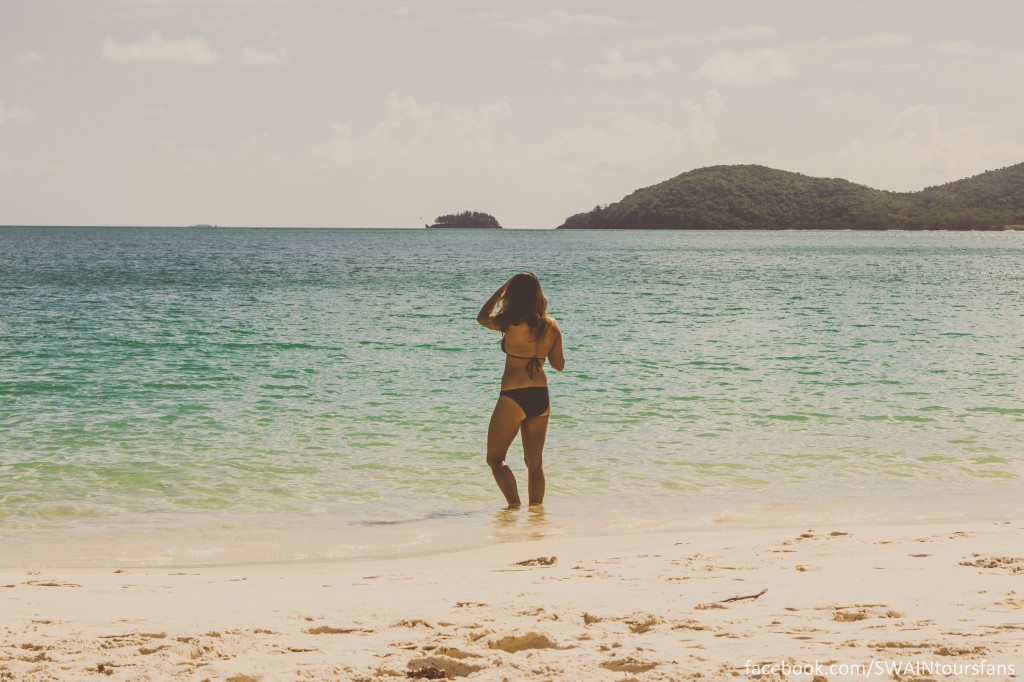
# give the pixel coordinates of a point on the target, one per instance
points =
(949, 596)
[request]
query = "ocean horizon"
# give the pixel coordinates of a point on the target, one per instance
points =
(181, 396)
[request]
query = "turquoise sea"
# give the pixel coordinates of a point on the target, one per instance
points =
(190, 396)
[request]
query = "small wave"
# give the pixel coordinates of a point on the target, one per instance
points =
(443, 514)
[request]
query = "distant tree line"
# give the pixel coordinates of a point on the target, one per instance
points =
(473, 219)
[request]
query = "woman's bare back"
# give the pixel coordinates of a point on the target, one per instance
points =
(521, 348)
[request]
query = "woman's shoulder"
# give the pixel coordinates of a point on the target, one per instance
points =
(551, 330)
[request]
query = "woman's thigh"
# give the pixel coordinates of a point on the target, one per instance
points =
(504, 426)
(534, 431)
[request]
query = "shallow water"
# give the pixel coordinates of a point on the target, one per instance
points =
(202, 395)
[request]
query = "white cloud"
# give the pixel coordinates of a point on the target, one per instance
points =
(632, 145)
(455, 141)
(235, 3)
(859, 54)
(917, 141)
(889, 53)
(392, 12)
(753, 67)
(437, 157)
(190, 158)
(550, 24)
(191, 164)
(874, 41)
(31, 57)
(733, 34)
(14, 113)
(409, 130)
(155, 49)
(616, 147)
(618, 156)
(723, 34)
(700, 118)
(616, 66)
(422, 159)
(586, 21)
(972, 55)
(917, 145)
(254, 56)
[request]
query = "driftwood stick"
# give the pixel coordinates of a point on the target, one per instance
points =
(748, 596)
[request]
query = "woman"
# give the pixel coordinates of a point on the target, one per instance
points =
(528, 336)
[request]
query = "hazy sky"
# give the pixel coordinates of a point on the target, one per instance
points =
(352, 113)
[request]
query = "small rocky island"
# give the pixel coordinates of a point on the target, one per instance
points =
(467, 219)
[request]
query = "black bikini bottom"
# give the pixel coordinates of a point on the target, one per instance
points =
(533, 399)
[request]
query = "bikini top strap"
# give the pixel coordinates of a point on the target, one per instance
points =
(524, 357)
(531, 366)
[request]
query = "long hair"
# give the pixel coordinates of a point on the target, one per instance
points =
(524, 301)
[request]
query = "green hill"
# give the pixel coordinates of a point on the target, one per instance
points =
(758, 198)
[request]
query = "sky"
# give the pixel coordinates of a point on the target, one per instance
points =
(330, 113)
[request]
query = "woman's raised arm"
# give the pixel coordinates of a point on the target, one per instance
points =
(485, 317)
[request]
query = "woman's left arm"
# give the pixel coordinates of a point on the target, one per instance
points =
(556, 356)
(485, 317)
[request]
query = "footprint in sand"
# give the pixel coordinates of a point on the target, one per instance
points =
(328, 630)
(449, 666)
(412, 623)
(478, 634)
(1011, 564)
(49, 583)
(452, 652)
(643, 623)
(850, 614)
(628, 665)
(539, 561)
(960, 651)
(691, 624)
(531, 640)
(803, 536)
(427, 673)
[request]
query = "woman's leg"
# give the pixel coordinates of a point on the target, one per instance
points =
(504, 426)
(534, 430)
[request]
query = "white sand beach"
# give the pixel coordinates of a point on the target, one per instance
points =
(944, 601)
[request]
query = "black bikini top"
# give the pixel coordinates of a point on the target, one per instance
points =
(534, 361)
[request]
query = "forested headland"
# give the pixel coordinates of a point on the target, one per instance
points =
(750, 197)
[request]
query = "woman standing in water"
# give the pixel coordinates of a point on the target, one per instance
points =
(528, 336)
